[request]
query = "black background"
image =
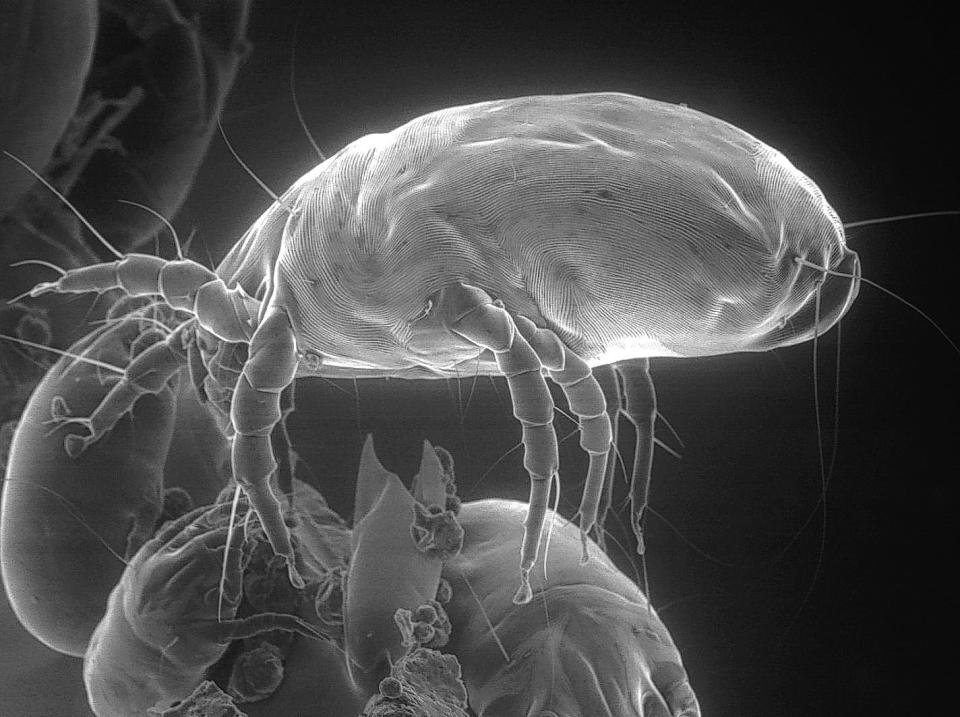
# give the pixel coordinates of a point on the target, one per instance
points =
(859, 102)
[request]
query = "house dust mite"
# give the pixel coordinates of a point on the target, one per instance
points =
(162, 629)
(533, 238)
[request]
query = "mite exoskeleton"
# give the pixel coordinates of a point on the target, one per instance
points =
(532, 238)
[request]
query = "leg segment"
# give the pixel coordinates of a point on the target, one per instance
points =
(281, 444)
(610, 386)
(640, 408)
(471, 313)
(148, 372)
(586, 401)
(254, 412)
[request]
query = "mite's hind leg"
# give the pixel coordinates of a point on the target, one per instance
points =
(254, 412)
(470, 312)
(148, 372)
(610, 385)
(587, 403)
(640, 408)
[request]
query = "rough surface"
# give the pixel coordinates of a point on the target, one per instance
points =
(207, 700)
(423, 683)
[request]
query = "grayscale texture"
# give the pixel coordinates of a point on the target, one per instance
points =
(629, 227)
(787, 560)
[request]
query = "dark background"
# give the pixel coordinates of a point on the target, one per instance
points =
(857, 102)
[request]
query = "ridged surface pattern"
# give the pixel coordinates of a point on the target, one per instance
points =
(630, 227)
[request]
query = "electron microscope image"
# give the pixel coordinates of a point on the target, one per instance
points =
(472, 360)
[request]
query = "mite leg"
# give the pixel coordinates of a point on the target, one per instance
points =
(197, 371)
(148, 372)
(588, 404)
(223, 362)
(282, 447)
(228, 313)
(586, 401)
(640, 408)
(266, 622)
(471, 313)
(254, 411)
(610, 386)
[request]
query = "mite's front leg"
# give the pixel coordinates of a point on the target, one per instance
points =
(471, 313)
(254, 412)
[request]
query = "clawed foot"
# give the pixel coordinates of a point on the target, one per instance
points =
(74, 444)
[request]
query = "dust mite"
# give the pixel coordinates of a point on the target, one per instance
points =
(531, 238)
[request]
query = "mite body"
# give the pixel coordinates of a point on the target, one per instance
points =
(533, 238)
(65, 524)
(589, 644)
(163, 626)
